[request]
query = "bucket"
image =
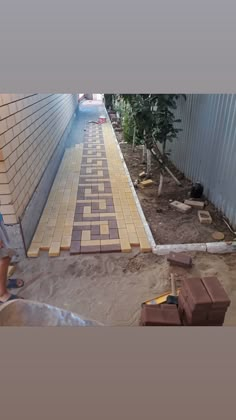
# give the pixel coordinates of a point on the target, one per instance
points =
(102, 120)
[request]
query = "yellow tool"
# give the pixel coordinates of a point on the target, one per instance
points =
(160, 299)
(11, 271)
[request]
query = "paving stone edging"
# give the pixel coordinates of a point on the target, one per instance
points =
(210, 247)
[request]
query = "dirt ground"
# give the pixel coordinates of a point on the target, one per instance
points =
(167, 225)
(110, 288)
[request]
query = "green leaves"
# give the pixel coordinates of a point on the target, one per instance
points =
(153, 115)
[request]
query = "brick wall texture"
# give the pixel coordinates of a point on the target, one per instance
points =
(31, 127)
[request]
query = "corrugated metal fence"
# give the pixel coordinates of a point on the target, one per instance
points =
(206, 148)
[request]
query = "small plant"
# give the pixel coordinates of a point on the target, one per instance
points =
(128, 126)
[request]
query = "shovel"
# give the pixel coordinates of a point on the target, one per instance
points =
(172, 299)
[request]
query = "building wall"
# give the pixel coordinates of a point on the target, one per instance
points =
(31, 130)
(206, 148)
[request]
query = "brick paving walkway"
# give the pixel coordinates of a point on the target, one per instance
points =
(91, 207)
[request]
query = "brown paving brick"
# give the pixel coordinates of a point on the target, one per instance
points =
(91, 219)
(76, 235)
(179, 259)
(110, 209)
(108, 218)
(113, 233)
(110, 248)
(90, 249)
(79, 209)
(112, 224)
(217, 315)
(216, 292)
(78, 217)
(75, 247)
(195, 293)
(95, 206)
(157, 315)
(100, 237)
(82, 227)
(95, 230)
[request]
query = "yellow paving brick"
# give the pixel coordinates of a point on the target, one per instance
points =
(104, 230)
(50, 230)
(60, 225)
(67, 231)
(65, 243)
(69, 222)
(141, 232)
(46, 243)
(138, 223)
(82, 223)
(33, 251)
(126, 212)
(57, 236)
(120, 216)
(128, 219)
(90, 243)
(101, 187)
(134, 215)
(52, 222)
(61, 218)
(54, 250)
(144, 245)
(71, 207)
(123, 233)
(118, 209)
(87, 210)
(102, 206)
(38, 237)
(86, 235)
(110, 241)
(130, 228)
(62, 211)
(133, 239)
(70, 214)
(125, 245)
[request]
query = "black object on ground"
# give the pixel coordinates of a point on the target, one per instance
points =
(197, 190)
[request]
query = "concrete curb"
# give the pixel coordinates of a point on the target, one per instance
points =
(166, 249)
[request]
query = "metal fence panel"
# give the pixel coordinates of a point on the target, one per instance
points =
(205, 150)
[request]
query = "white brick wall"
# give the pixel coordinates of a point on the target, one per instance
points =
(31, 127)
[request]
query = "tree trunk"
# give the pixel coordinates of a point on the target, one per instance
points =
(144, 155)
(134, 138)
(160, 185)
(164, 149)
(149, 162)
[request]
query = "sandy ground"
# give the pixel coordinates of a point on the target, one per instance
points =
(110, 288)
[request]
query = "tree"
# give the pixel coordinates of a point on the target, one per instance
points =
(154, 118)
(108, 100)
